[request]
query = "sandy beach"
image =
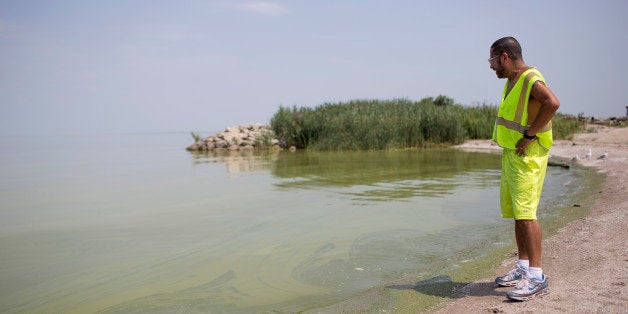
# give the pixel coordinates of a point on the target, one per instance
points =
(587, 260)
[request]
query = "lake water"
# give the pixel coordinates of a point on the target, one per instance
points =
(120, 223)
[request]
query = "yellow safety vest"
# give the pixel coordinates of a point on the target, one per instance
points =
(512, 116)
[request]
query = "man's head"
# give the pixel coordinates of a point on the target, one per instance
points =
(505, 54)
(509, 45)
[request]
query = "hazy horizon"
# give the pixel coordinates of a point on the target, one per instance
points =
(73, 67)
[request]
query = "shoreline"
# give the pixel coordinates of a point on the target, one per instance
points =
(586, 261)
(582, 262)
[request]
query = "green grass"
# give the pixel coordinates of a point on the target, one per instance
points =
(565, 126)
(196, 137)
(391, 124)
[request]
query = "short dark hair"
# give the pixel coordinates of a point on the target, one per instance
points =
(508, 45)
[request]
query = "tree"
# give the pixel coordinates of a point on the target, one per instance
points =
(442, 100)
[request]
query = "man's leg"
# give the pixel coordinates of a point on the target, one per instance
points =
(521, 243)
(526, 184)
(528, 235)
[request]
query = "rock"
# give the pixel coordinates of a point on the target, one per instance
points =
(221, 144)
(247, 143)
(194, 147)
(246, 136)
(232, 129)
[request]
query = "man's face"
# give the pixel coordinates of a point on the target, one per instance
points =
(495, 62)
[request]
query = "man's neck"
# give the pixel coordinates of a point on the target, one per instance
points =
(513, 75)
(517, 69)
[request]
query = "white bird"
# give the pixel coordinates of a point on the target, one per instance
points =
(588, 154)
(603, 155)
(575, 158)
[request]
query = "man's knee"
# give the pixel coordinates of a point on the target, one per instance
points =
(526, 223)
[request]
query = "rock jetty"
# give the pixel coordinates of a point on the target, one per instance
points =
(242, 137)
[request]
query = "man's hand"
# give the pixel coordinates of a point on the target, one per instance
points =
(521, 146)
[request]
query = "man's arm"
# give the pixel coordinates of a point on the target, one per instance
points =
(549, 105)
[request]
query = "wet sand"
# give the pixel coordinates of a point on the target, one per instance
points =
(587, 260)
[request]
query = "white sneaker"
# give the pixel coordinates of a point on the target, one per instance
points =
(512, 277)
(528, 288)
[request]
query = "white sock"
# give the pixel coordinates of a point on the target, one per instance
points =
(524, 263)
(536, 273)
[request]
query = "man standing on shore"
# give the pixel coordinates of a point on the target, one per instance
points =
(524, 130)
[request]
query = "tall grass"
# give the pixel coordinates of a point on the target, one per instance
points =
(196, 137)
(382, 124)
(565, 126)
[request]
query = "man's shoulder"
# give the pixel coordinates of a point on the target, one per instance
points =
(534, 75)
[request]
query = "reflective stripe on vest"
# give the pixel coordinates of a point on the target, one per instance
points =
(520, 128)
(522, 97)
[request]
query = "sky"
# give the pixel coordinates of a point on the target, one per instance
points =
(91, 67)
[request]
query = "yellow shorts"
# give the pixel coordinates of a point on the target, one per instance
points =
(522, 181)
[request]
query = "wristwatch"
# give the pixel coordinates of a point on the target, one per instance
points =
(528, 137)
